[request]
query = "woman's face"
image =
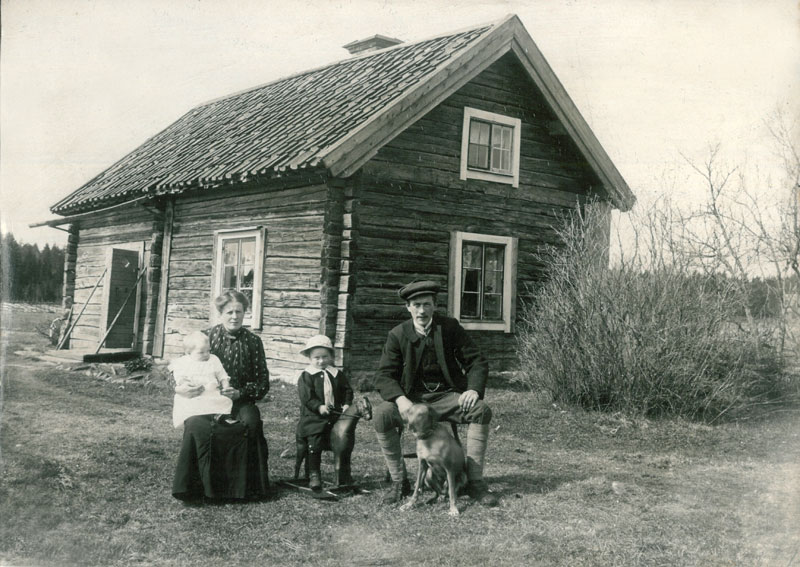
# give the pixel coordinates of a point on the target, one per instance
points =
(232, 316)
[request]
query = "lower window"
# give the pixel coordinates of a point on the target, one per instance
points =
(483, 280)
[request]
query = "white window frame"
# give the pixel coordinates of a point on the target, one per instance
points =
(515, 123)
(511, 244)
(220, 236)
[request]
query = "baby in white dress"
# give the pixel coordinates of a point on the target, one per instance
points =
(199, 380)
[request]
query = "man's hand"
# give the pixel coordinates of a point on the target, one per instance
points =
(403, 405)
(323, 410)
(468, 399)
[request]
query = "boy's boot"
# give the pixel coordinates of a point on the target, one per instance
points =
(315, 462)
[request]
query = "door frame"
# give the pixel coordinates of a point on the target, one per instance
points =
(134, 247)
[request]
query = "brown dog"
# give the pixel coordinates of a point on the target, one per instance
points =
(441, 458)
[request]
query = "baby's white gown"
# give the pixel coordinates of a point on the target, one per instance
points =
(207, 373)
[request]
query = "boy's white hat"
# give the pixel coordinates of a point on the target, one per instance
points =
(317, 341)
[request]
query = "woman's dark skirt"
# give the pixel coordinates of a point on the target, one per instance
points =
(220, 460)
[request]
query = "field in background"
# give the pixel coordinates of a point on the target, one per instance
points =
(87, 466)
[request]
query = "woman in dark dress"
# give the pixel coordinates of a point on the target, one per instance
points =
(227, 458)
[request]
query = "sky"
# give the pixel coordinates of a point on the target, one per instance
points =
(84, 82)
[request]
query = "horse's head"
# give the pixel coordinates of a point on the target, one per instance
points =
(364, 408)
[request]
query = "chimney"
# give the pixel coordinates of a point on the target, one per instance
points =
(373, 43)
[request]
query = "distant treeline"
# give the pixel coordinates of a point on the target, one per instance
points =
(28, 273)
(763, 297)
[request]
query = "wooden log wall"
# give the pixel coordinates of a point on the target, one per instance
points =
(332, 262)
(127, 227)
(411, 198)
(344, 317)
(295, 219)
(70, 260)
(153, 282)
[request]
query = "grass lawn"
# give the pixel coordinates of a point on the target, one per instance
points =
(87, 468)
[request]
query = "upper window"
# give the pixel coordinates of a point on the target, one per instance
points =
(239, 265)
(490, 147)
(483, 280)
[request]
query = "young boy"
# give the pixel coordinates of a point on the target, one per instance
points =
(324, 394)
(199, 380)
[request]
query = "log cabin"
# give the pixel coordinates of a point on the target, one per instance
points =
(320, 194)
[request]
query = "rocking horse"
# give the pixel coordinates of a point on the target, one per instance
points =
(340, 441)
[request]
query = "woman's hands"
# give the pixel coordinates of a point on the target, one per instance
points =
(231, 393)
(189, 391)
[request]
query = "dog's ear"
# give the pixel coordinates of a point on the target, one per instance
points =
(433, 417)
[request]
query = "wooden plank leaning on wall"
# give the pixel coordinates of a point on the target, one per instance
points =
(161, 310)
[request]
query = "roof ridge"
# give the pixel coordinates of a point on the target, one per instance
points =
(493, 23)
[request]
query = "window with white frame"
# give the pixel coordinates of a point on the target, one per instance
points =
(490, 147)
(239, 265)
(482, 291)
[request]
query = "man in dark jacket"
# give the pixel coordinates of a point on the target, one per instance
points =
(431, 359)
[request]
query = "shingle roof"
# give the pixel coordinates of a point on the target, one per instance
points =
(284, 125)
(332, 119)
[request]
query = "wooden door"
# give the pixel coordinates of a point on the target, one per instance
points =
(123, 271)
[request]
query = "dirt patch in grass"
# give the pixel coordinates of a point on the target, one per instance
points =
(87, 467)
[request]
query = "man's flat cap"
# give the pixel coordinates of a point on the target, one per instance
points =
(414, 289)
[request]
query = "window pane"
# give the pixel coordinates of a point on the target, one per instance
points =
(501, 160)
(494, 258)
(496, 159)
(479, 132)
(505, 161)
(246, 280)
(469, 305)
(501, 136)
(230, 250)
(478, 148)
(248, 251)
(229, 277)
(471, 256)
(478, 156)
(501, 148)
(493, 282)
(471, 281)
(492, 306)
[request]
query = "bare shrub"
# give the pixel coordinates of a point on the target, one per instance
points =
(698, 315)
(649, 336)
